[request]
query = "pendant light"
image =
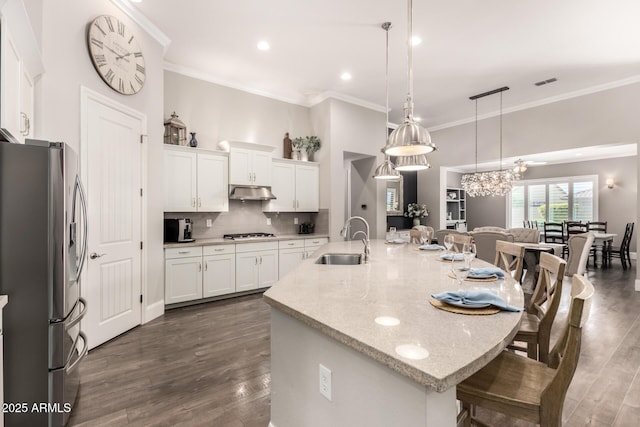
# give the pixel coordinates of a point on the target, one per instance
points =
(386, 170)
(412, 163)
(409, 138)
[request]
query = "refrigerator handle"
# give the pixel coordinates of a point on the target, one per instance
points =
(82, 354)
(83, 205)
(79, 317)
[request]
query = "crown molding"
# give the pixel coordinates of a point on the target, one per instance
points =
(137, 17)
(190, 72)
(545, 101)
(346, 98)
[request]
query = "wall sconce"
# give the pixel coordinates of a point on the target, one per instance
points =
(609, 182)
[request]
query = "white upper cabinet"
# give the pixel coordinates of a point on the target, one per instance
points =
(20, 63)
(296, 186)
(250, 164)
(195, 180)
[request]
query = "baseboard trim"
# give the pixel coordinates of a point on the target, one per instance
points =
(271, 424)
(154, 311)
(638, 285)
(633, 255)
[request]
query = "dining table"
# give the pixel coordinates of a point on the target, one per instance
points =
(602, 243)
(531, 260)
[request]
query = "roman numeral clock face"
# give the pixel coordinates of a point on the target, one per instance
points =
(116, 55)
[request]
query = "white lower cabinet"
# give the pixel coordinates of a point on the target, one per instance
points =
(183, 279)
(290, 254)
(312, 245)
(197, 272)
(219, 275)
(256, 265)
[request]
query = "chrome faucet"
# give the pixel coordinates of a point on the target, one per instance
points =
(367, 243)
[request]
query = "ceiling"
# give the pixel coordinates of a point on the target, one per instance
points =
(469, 47)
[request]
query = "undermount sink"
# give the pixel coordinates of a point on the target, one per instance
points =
(340, 259)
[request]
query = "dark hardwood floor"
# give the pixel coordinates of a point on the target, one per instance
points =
(208, 365)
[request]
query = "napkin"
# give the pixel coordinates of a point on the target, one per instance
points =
(431, 247)
(475, 297)
(455, 257)
(395, 241)
(480, 273)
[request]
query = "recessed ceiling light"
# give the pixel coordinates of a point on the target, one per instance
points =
(415, 40)
(135, 1)
(263, 45)
(578, 154)
(345, 76)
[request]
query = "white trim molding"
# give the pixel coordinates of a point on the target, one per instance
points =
(346, 98)
(153, 311)
(144, 23)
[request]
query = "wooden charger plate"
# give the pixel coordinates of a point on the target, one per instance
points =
(460, 310)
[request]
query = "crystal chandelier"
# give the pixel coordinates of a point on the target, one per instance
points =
(386, 170)
(492, 183)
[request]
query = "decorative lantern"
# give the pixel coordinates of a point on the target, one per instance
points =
(175, 132)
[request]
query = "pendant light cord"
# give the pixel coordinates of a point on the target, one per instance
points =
(500, 131)
(410, 57)
(476, 135)
(387, 26)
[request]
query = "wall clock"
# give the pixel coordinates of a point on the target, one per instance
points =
(116, 55)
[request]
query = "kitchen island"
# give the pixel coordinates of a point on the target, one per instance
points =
(394, 358)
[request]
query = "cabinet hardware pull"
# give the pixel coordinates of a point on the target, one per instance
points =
(249, 176)
(25, 122)
(184, 252)
(199, 202)
(260, 259)
(256, 261)
(290, 244)
(219, 250)
(193, 202)
(200, 267)
(206, 266)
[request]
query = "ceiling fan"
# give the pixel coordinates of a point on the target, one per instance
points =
(522, 165)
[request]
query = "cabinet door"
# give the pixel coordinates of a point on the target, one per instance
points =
(240, 172)
(307, 188)
(288, 259)
(261, 166)
(268, 268)
(183, 279)
(26, 110)
(180, 181)
(213, 178)
(219, 275)
(246, 271)
(10, 81)
(283, 186)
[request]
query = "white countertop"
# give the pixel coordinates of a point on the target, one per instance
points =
(222, 241)
(344, 302)
(3, 301)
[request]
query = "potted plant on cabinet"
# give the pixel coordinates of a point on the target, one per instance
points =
(416, 212)
(311, 145)
(297, 145)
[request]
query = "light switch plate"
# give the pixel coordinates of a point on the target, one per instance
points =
(295, 220)
(325, 381)
(209, 222)
(268, 221)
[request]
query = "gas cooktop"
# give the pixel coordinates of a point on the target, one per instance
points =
(248, 236)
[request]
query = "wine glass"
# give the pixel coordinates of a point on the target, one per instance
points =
(448, 242)
(469, 253)
(460, 272)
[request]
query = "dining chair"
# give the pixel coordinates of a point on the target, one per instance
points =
(527, 389)
(535, 329)
(622, 251)
(509, 257)
(554, 232)
(486, 243)
(444, 231)
(580, 246)
(417, 230)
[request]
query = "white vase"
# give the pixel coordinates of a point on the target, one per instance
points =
(416, 221)
(304, 156)
(295, 155)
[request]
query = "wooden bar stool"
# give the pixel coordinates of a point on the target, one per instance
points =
(526, 389)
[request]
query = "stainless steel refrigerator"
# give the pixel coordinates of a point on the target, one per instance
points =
(42, 209)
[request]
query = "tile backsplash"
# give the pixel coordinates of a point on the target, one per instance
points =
(246, 217)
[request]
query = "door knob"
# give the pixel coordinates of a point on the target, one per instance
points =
(94, 255)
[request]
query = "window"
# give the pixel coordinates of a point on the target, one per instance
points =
(553, 200)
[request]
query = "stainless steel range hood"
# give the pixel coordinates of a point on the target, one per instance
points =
(250, 192)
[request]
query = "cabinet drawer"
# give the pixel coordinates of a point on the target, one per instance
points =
(289, 244)
(190, 251)
(316, 242)
(218, 249)
(256, 246)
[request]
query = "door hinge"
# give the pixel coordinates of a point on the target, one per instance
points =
(140, 245)
(141, 192)
(142, 138)
(140, 298)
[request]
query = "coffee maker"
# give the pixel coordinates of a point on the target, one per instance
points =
(177, 230)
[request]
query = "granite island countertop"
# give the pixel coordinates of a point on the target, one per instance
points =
(381, 310)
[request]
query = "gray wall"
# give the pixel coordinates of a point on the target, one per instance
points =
(363, 192)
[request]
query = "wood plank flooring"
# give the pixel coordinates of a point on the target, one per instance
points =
(208, 365)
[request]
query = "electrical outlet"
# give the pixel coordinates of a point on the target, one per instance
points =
(325, 381)
(268, 221)
(295, 220)
(209, 222)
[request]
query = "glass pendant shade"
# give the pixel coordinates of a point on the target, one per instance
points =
(386, 170)
(412, 163)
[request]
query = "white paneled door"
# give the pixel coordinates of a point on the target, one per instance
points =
(113, 179)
